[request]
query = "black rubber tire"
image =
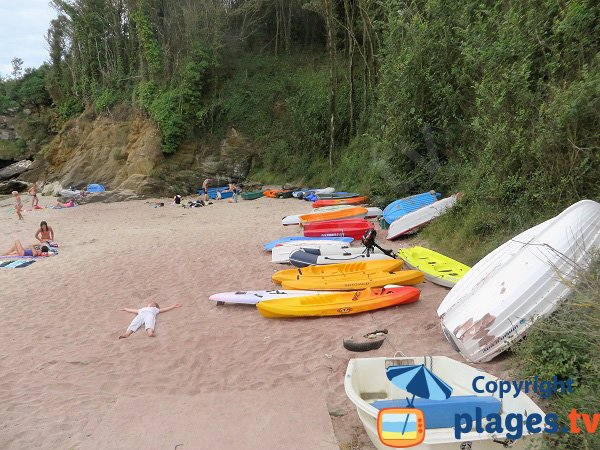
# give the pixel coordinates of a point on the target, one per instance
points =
(364, 345)
(220, 303)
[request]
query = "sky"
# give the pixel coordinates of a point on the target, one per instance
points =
(23, 28)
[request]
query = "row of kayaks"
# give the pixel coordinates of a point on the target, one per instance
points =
(488, 307)
(401, 217)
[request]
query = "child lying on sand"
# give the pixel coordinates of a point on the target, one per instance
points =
(147, 316)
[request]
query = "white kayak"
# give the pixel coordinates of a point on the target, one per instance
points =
(526, 278)
(281, 253)
(372, 212)
(308, 257)
(410, 223)
(253, 297)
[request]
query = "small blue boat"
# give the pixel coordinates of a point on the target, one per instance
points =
(269, 245)
(212, 192)
(401, 207)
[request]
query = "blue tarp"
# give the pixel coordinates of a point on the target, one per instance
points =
(95, 188)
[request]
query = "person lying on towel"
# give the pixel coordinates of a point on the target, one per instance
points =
(17, 249)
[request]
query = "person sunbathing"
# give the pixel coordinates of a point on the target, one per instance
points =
(146, 316)
(69, 204)
(17, 249)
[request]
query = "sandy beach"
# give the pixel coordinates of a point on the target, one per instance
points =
(63, 368)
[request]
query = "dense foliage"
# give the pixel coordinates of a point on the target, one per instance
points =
(497, 99)
(566, 345)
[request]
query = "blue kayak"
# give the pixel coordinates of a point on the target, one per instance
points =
(269, 245)
(401, 207)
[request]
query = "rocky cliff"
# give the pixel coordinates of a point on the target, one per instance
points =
(122, 150)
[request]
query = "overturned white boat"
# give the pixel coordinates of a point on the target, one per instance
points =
(524, 279)
(368, 387)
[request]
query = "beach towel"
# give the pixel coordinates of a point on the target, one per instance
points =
(14, 264)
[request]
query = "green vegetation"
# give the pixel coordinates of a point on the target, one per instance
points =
(566, 345)
(497, 100)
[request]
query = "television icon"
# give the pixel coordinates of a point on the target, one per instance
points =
(401, 427)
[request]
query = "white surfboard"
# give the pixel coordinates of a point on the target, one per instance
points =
(253, 297)
(410, 223)
(524, 279)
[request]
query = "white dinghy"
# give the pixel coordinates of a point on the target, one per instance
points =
(369, 388)
(524, 279)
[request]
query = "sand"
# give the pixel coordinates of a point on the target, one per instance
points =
(64, 372)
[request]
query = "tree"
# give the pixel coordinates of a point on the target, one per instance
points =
(17, 67)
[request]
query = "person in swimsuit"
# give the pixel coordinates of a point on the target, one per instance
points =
(233, 188)
(45, 233)
(70, 203)
(33, 192)
(17, 249)
(18, 204)
(146, 316)
(205, 187)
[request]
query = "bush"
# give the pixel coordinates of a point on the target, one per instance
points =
(71, 107)
(566, 345)
(105, 100)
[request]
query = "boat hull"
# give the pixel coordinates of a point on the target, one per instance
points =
(412, 222)
(524, 279)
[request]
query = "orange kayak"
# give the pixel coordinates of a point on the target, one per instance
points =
(339, 303)
(340, 201)
(349, 213)
(278, 193)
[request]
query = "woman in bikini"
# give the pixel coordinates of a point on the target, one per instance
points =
(45, 234)
(18, 250)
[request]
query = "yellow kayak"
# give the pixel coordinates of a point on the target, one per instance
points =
(342, 269)
(438, 269)
(356, 212)
(356, 281)
(339, 303)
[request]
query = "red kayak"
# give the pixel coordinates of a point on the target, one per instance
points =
(340, 201)
(354, 228)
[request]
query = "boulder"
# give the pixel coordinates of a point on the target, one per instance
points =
(15, 169)
(120, 195)
(13, 185)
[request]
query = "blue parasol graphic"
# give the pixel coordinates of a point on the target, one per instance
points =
(419, 381)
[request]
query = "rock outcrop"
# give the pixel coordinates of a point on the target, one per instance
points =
(15, 169)
(122, 151)
(13, 185)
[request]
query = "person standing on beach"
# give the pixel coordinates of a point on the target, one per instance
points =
(34, 199)
(146, 316)
(205, 187)
(233, 188)
(18, 204)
